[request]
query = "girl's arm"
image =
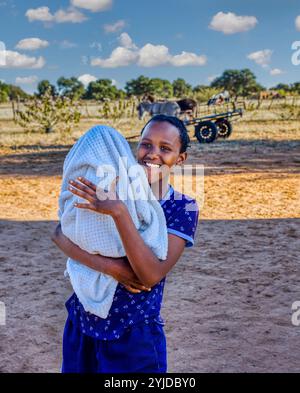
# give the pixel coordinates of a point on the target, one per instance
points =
(148, 268)
(118, 268)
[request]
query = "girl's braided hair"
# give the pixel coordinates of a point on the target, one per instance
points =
(183, 132)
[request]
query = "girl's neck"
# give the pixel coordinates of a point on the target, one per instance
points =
(160, 188)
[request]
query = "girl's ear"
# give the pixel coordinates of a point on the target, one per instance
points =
(181, 158)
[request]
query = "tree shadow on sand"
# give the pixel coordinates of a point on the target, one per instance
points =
(223, 156)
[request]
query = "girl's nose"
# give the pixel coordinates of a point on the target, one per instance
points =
(153, 153)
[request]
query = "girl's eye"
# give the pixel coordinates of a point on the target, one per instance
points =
(145, 144)
(165, 148)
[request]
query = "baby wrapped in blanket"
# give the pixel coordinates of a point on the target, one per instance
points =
(100, 155)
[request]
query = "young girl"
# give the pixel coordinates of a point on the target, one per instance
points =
(132, 338)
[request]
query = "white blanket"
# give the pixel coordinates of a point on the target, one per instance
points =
(96, 156)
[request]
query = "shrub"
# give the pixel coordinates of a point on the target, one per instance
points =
(48, 114)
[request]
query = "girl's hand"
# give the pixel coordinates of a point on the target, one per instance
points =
(99, 200)
(123, 273)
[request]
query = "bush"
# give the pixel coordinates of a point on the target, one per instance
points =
(48, 114)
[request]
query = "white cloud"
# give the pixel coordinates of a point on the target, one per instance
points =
(17, 60)
(231, 23)
(32, 44)
(126, 41)
(261, 57)
(43, 14)
(93, 5)
(27, 80)
(69, 16)
(297, 23)
(188, 59)
(120, 57)
(2, 54)
(153, 55)
(114, 27)
(148, 56)
(276, 71)
(86, 79)
(65, 44)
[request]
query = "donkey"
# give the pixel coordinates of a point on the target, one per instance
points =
(187, 105)
(158, 108)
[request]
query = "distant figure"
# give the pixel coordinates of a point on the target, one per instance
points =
(167, 108)
(219, 98)
(269, 94)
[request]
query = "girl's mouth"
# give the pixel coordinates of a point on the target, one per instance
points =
(151, 165)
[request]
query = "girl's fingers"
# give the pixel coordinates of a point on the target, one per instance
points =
(88, 183)
(140, 286)
(82, 187)
(84, 206)
(81, 194)
(113, 187)
(132, 289)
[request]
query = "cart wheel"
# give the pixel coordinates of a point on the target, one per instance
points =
(224, 128)
(206, 132)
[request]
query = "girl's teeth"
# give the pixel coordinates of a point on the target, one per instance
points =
(152, 165)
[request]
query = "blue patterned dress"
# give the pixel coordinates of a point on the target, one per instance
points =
(132, 310)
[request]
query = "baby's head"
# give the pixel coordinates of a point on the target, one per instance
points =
(163, 143)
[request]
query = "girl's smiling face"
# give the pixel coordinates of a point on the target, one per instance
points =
(159, 149)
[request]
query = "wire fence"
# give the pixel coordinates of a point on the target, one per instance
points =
(127, 108)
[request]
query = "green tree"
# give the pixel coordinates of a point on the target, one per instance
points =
(45, 86)
(138, 87)
(282, 86)
(3, 96)
(181, 88)
(16, 93)
(11, 92)
(237, 82)
(295, 87)
(198, 88)
(160, 87)
(70, 87)
(101, 90)
(204, 93)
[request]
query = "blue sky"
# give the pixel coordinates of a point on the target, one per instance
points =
(122, 39)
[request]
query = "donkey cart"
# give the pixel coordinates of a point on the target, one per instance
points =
(208, 128)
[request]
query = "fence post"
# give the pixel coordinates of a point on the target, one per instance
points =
(13, 109)
(86, 109)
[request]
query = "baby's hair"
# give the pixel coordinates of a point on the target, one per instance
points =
(183, 132)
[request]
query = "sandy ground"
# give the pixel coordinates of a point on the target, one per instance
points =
(227, 303)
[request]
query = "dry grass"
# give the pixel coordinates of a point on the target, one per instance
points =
(258, 124)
